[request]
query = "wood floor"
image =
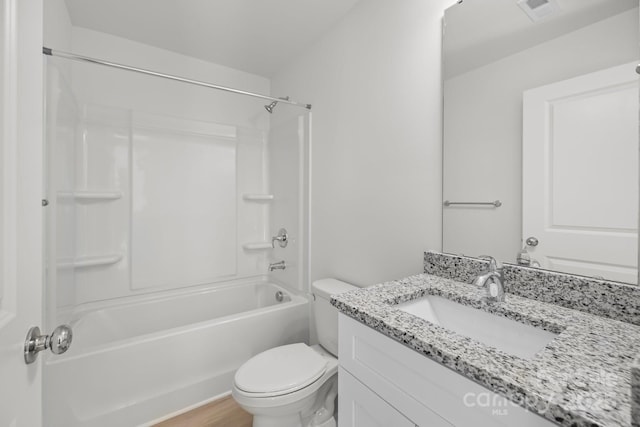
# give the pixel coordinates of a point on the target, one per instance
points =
(223, 412)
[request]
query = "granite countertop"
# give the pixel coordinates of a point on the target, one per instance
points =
(581, 378)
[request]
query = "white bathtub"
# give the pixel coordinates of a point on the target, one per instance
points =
(133, 363)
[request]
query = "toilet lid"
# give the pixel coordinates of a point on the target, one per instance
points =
(281, 370)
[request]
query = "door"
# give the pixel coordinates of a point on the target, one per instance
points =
(580, 174)
(361, 407)
(20, 207)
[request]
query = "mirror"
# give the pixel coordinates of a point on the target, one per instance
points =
(541, 128)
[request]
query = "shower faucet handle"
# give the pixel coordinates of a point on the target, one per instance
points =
(282, 238)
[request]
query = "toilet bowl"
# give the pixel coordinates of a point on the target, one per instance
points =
(296, 385)
(297, 400)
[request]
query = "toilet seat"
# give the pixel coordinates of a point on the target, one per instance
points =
(281, 370)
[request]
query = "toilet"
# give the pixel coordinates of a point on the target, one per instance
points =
(296, 385)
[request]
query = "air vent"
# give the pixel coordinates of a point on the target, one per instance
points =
(539, 9)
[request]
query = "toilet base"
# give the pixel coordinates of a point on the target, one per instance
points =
(312, 413)
(293, 421)
(329, 423)
(266, 421)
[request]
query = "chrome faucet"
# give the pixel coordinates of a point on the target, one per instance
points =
(280, 265)
(491, 280)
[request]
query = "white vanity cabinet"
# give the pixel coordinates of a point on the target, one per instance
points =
(384, 383)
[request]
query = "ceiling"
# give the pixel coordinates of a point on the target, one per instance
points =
(478, 32)
(256, 36)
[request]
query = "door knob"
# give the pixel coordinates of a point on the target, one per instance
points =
(58, 342)
(531, 241)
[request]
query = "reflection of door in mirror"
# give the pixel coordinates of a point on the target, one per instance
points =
(580, 141)
(493, 54)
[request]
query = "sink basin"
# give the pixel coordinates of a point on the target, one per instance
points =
(511, 337)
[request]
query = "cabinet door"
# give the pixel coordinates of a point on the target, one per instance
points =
(360, 407)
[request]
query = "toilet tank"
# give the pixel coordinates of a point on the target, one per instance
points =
(325, 314)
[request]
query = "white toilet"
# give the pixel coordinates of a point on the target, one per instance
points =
(296, 385)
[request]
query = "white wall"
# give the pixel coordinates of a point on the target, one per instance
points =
(374, 82)
(483, 130)
(145, 93)
(57, 25)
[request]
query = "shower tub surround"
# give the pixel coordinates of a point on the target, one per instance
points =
(163, 198)
(581, 378)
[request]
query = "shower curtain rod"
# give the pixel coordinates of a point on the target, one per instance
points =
(75, 57)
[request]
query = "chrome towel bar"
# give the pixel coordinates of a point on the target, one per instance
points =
(496, 203)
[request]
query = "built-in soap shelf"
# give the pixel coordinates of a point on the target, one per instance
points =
(257, 246)
(89, 195)
(90, 261)
(254, 197)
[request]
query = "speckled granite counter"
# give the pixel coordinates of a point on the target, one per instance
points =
(582, 378)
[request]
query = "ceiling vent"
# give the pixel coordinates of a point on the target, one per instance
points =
(539, 9)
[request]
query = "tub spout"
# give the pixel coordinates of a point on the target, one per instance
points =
(277, 266)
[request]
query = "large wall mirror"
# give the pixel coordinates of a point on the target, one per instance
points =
(541, 134)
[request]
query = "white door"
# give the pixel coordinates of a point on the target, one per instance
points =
(580, 173)
(361, 407)
(20, 207)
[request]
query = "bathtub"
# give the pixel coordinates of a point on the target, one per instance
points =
(130, 364)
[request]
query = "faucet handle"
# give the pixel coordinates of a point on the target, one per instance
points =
(493, 264)
(282, 238)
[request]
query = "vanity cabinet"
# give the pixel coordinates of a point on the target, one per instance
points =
(383, 382)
